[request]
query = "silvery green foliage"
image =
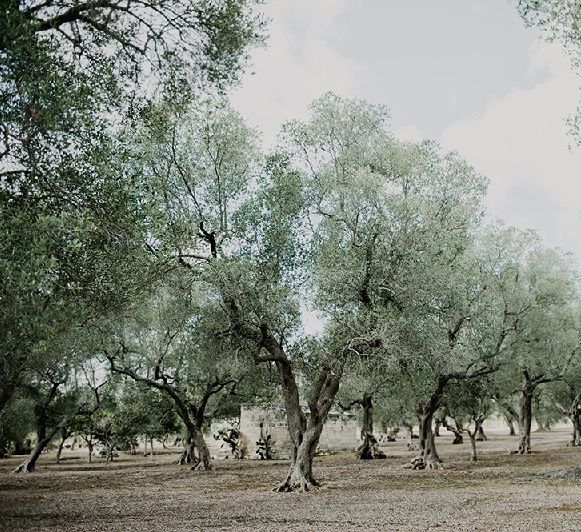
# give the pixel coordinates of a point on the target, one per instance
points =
(222, 210)
(559, 21)
(393, 224)
(545, 339)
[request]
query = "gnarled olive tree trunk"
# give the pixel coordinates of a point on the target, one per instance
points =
(510, 422)
(525, 422)
(456, 430)
(191, 415)
(65, 434)
(305, 430)
(481, 436)
(369, 448)
(29, 465)
(428, 456)
(204, 457)
(576, 439)
(44, 435)
(530, 384)
(188, 455)
(575, 416)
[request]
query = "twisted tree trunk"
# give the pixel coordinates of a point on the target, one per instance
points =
(575, 416)
(510, 423)
(457, 431)
(65, 433)
(305, 431)
(29, 465)
(204, 457)
(428, 456)
(530, 384)
(300, 473)
(576, 420)
(188, 455)
(481, 436)
(473, 456)
(369, 448)
(44, 435)
(526, 420)
(190, 414)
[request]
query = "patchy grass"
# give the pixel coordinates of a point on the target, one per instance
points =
(499, 492)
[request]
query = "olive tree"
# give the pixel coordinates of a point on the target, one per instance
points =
(174, 344)
(70, 73)
(393, 223)
(545, 339)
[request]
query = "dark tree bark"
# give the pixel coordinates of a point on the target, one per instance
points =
(29, 465)
(526, 420)
(510, 423)
(456, 430)
(188, 455)
(509, 413)
(481, 436)
(204, 457)
(428, 456)
(530, 384)
(576, 437)
(574, 414)
(65, 433)
(474, 435)
(437, 425)
(369, 449)
(305, 430)
(43, 433)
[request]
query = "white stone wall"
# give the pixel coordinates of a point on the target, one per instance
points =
(339, 433)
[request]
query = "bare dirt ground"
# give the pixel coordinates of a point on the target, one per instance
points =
(541, 491)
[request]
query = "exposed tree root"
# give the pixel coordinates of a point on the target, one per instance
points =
(297, 482)
(419, 463)
(200, 466)
(524, 449)
(369, 449)
(24, 467)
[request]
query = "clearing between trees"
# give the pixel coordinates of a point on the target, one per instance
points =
(540, 491)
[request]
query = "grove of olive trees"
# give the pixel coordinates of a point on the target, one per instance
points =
(160, 267)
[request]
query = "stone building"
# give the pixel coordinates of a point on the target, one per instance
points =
(340, 433)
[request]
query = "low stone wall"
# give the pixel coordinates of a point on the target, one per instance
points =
(339, 433)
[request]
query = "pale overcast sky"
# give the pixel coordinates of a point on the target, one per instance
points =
(466, 73)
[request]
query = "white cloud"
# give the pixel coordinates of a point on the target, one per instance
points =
(520, 143)
(298, 65)
(410, 132)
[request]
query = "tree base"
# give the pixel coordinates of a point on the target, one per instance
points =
(200, 466)
(420, 463)
(369, 450)
(297, 482)
(524, 449)
(24, 467)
